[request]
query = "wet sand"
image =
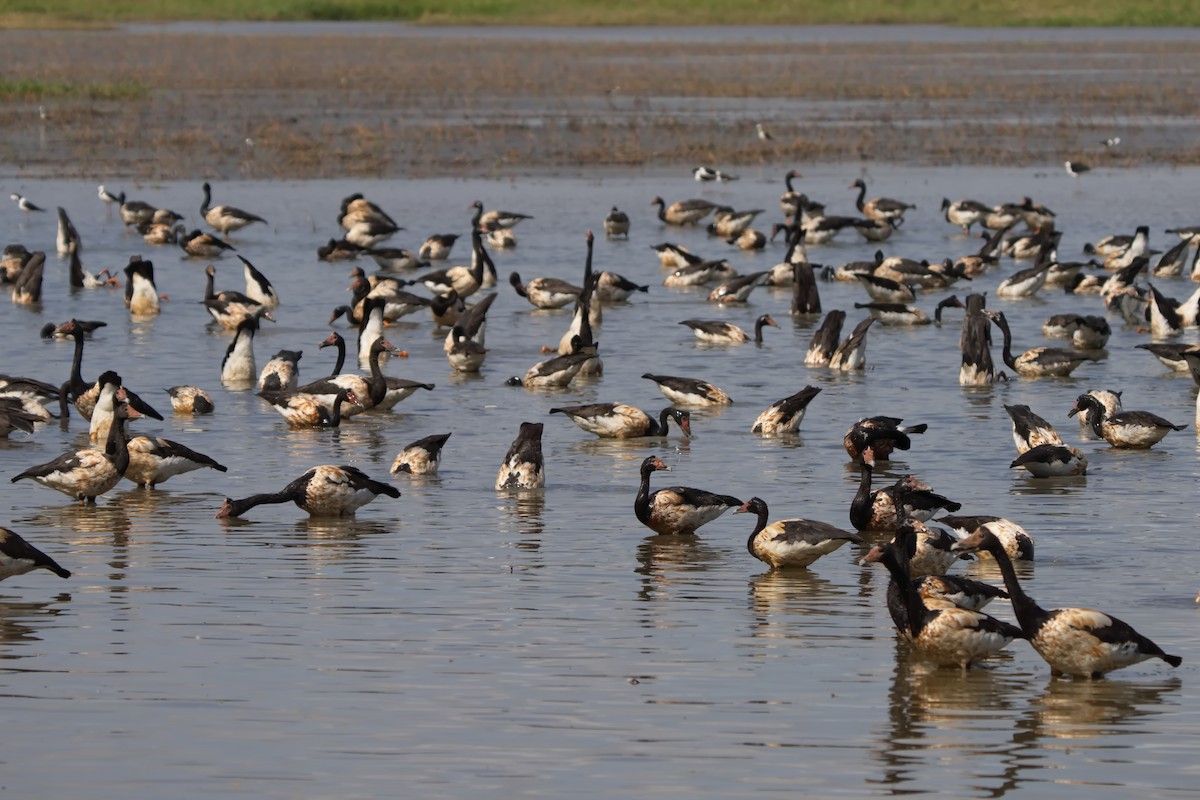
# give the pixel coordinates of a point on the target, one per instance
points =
(326, 101)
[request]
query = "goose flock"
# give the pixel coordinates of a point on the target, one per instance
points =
(896, 525)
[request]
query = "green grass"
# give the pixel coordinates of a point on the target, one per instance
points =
(49, 13)
(32, 89)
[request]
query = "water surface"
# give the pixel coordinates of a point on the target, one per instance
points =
(465, 643)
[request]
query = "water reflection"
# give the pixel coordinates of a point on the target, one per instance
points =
(670, 562)
(939, 709)
(630, 451)
(781, 599)
(523, 516)
(1083, 709)
(88, 525)
(21, 621)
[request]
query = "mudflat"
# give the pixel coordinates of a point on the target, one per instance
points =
(324, 100)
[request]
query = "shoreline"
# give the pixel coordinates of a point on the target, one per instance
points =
(256, 104)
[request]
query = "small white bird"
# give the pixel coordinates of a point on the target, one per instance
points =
(23, 203)
(1111, 141)
(108, 197)
(707, 174)
(1076, 168)
(763, 133)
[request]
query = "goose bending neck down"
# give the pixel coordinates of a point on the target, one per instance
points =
(1073, 641)
(324, 491)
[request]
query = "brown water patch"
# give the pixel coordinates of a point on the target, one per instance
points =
(283, 106)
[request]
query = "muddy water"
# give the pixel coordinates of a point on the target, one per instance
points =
(465, 643)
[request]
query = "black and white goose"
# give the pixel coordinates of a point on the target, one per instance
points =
(964, 213)
(465, 281)
(719, 332)
(1030, 430)
(153, 460)
(852, 353)
(1024, 283)
(1073, 641)
(281, 373)
(141, 295)
(18, 556)
(614, 288)
(1139, 247)
(14, 417)
(397, 259)
(825, 340)
(784, 416)
(437, 247)
(882, 434)
(490, 220)
(616, 223)
(791, 542)
(1169, 354)
(473, 322)
(1037, 362)
(1173, 261)
(1165, 321)
(882, 208)
(736, 290)
(356, 209)
(225, 219)
(875, 230)
(1017, 541)
(27, 287)
(371, 233)
(229, 308)
(103, 415)
(1087, 332)
(523, 466)
(465, 354)
(199, 244)
(674, 256)
(422, 457)
(67, 240)
(677, 510)
(545, 292)
(936, 591)
(952, 637)
(258, 288)
(622, 421)
(789, 201)
(1051, 461)
(190, 400)
(303, 410)
(89, 472)
(699, 273)
(31, 396)
(896, 314)
(729, 223)
(237, 367)
(136, 212)
(1137, 430)
(683, 212)
(886, 290)
(557, 372)
(806, 298)
(1040, 450)
(324, 491)
(749, 240)
(689, 391)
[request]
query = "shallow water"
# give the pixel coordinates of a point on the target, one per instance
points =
(463, 642)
